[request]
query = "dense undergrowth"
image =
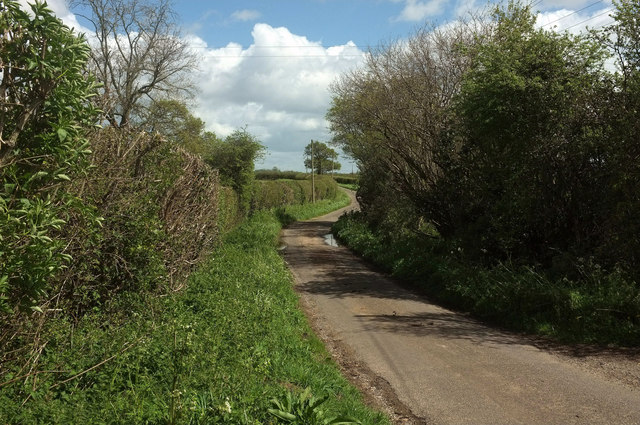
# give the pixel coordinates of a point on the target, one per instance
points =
(100, 232)
(216, 352)
(593, 305)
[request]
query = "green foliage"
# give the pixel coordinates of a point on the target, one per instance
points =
(595, 306)
(623, 225)
(276, 174)
(325, 159)
(172, 119)
(347, 179)
(214, 353)
(304, 410)
(235, 158)
(278, 193)
(45, 110)
(159, 205)
(514, 147)
(530, 178)
(289, 214)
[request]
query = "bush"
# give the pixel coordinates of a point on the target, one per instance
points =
(597, 306)
(159, 205)
(214, 353)
(280, 175)
(45, 111)
(278, 193)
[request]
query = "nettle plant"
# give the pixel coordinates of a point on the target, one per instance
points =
(45, 107)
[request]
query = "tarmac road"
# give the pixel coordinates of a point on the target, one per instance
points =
(426, 364)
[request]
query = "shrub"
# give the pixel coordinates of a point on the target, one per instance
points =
(45, 110)
(278, 193)
(159, 205)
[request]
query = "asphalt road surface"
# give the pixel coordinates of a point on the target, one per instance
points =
(426, 364)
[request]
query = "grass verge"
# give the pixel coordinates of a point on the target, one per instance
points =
(291, 213)
(215, 353)
(350, 186)
(599, 307)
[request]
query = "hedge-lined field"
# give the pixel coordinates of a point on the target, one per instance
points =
(276, 193)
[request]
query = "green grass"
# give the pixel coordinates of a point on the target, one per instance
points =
(600, 307)
(215, 353)
(291, 213)
(351, 186)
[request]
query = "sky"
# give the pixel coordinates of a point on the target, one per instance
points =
(267, 66)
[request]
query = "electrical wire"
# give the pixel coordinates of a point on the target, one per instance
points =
(572, 13)
(591, 18)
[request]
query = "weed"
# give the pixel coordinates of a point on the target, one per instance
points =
(305, 410)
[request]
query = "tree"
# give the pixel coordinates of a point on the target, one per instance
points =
(623, 112)
(324, 160)
(530, 177)
(173, 120)
(45, 107)
(138, 55)
(235, 159)
(394, 115)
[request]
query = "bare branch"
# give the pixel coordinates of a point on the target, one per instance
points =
(138, 52)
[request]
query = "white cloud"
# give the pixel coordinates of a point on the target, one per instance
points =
(464, 7)
(572, 21)
(278, 87)
(568, 4)
(415, 10)
(245, 15)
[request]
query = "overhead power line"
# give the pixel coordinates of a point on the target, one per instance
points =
(573, 13)
(590, 19)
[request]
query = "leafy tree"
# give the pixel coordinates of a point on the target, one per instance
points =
(235, 158)
(45, 107)
(324, 160)
(530, 171)
(623, 113)
(394, 116)
(139, 56)
(172, 119)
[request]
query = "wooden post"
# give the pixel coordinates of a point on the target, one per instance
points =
(313, 178)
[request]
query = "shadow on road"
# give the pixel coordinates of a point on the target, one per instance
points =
(341, 274)
(442, 324)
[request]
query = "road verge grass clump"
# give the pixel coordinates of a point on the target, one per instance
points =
(595, 306)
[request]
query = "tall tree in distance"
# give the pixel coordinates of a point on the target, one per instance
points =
(137, 54)
(325, 159)
(172, 119)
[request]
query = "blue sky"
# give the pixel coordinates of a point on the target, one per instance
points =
(332, 22)
(268, 65)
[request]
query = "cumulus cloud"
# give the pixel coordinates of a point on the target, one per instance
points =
(574, 21)
(415, 10)
(245, 15)
(278, 87)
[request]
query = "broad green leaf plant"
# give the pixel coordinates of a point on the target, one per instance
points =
(45, 109)
(304, 409)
